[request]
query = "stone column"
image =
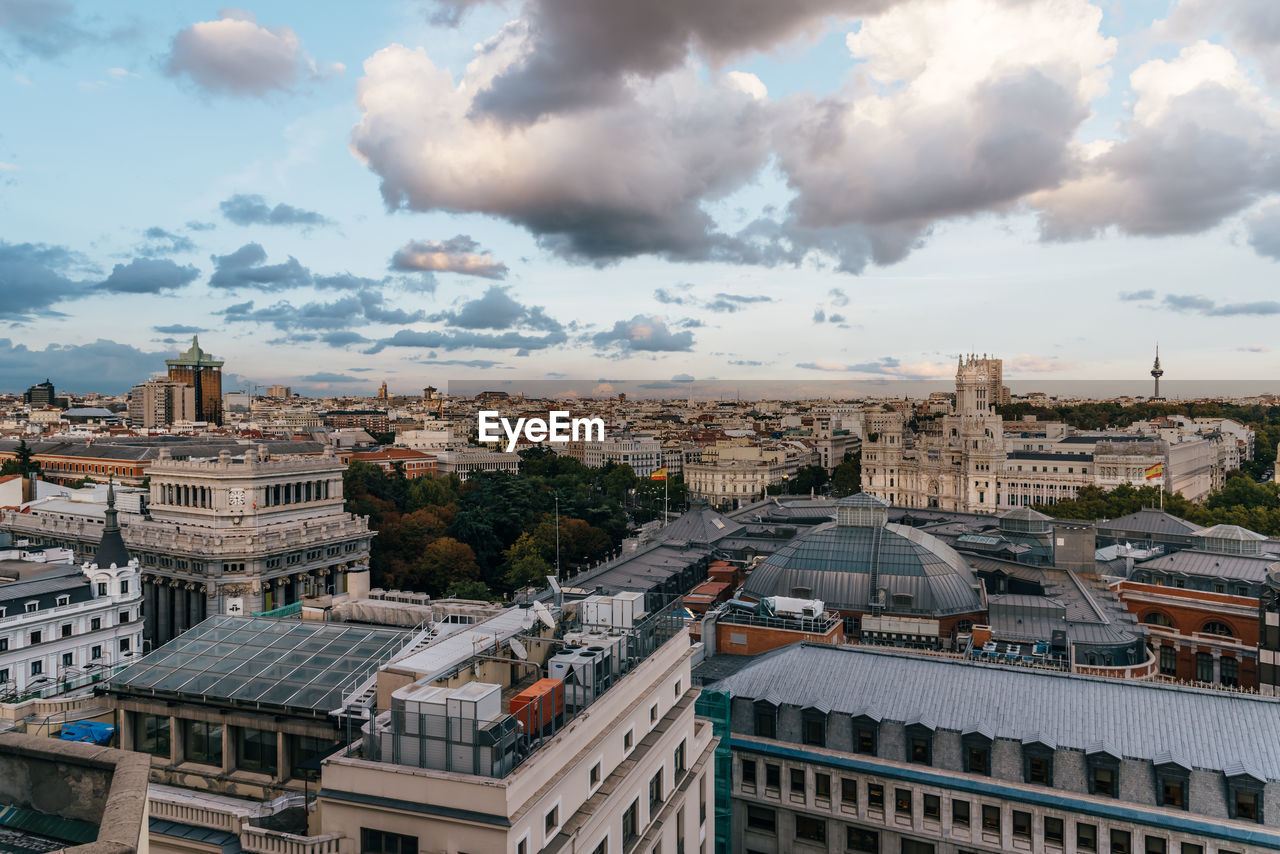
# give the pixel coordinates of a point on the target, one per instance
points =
(282, 758)
(150, 627)
(164, 624)
(228, 749)
(1217, 666)
(195, 598)
(179, 609)
(177, 750)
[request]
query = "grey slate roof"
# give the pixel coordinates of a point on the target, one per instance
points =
(704, 527)
(1252, 568)
(1209, 730)
(1150, 520)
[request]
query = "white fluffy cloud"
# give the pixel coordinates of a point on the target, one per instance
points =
(1202, 144)
(235, 55)
(1251, 27)
(965, 106)
(622, 179)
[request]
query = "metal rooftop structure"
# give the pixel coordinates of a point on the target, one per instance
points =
(263, 663)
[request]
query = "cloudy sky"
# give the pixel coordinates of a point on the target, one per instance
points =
(334, 194)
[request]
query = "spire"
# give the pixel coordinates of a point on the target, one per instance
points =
(111, 549)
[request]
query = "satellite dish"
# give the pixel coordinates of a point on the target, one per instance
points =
(540, 611)
(518, 650)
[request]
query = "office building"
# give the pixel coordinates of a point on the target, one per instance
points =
(160, 403)
(203, 373)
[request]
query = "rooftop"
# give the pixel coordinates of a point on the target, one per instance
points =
(1126, 718)
(286, 664)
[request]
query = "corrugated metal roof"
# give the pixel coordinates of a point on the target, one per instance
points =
(1211, 730)
(1152, 521)
(1251, 568)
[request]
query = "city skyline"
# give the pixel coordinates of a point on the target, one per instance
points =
(415, 191)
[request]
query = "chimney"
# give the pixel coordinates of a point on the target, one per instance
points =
(1074, 547)
(29, 487)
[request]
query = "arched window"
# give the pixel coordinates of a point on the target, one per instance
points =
(1216, 627)
(1155, 618)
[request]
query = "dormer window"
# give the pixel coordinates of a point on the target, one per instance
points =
(1244, 795)
(920, 743)
(31, 607)
(1172, 780)
(1103, 773)
(976, 751)
(766, 719)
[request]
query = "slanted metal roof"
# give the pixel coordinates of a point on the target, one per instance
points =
(1151, 521)
(1251, 568)
(1210, 730)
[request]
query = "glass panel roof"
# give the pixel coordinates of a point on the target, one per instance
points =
(284, 663)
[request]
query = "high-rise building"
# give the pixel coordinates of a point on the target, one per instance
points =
(279, 392)
(202, 372)
(161, 402)
(40, 394)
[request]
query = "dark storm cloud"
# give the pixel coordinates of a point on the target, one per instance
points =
(102, 365)
(641, 333)
(458, 254)
(148, 276)
(247, 209)
(246, 268)
(496, 309)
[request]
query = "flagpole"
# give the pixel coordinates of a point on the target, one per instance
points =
(664, 497)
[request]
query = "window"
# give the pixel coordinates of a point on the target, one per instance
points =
(602, 848)
(677, 761)
(762, 819)
(204, 742)
(822, 787)
(37, 667)
(256, 751)
(861, 841)
(102, 588)
(1217, 627)
(124, 644)
(95, 652)
(1086, 837)
(990, 818)
(4, 675)
(766, 719)
(977, 754)
(1204, 667)
(875, 796)
(797, 781)
(811, 829)
(62, 600)
(551, 820)
(1037, 764)
(1244, 796)
(902, 802)
(95, 624)
(381, 842)
(124, 587)
(595, 775)
(1053, 830)
(1155, 618)
(66, 630)
(813, 727)
(932, 807)
(849, 792)
(1168, 661)
(4, 644)
(1192, 848)
(655, 791)
(1171, 786)
(960, 813)
(1102, 774)
(911, 846)
(749, 774)
(1022, 824)
(152, 735)
(628, 740)
(1156, 845)
(864, 736)
(1121, 842)
(68, 659)
(772, 777)
(919, 745)
(631, 823)
(653, 713)
(678, 692)
(35, 638)
(1229, 671)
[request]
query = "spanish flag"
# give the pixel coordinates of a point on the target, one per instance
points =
(1155, 471)
(659, 474)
